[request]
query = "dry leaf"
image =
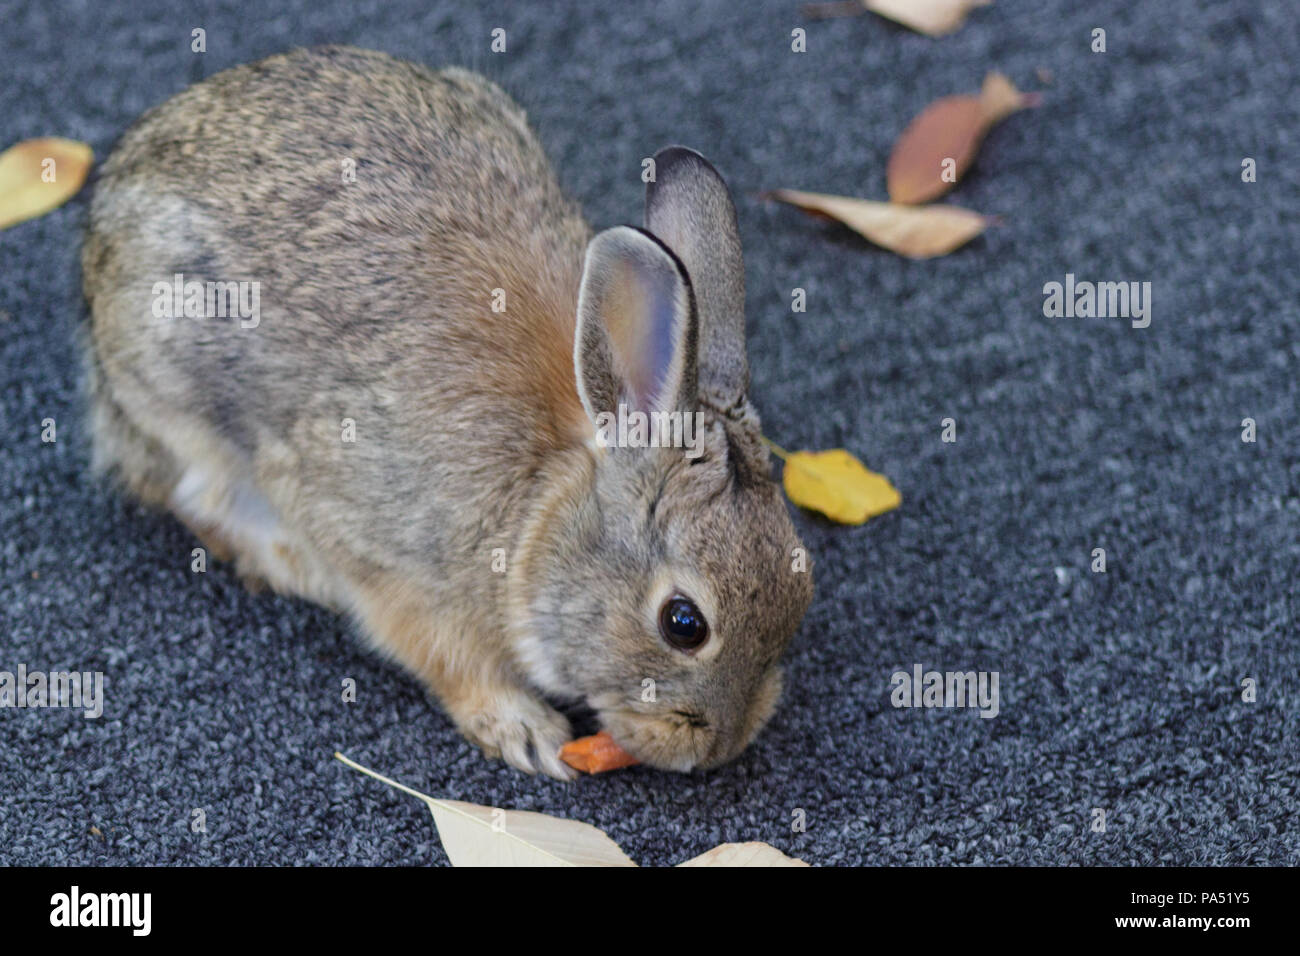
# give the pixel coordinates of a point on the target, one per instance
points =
(485, 836)
(744, 854)
(950, 129)
(935, 17)
(596, 754)
(38, 175)
(918, 232)
(836, 484)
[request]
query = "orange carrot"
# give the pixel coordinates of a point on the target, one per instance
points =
(596, 754)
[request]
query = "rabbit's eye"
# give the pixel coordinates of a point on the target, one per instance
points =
(682, 624)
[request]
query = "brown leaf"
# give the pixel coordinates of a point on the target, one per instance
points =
(999, 98)
(934, 17)
(949, 129)
(918, 232)
(38, 175)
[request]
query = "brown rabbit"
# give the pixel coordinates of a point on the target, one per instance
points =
(406, 426)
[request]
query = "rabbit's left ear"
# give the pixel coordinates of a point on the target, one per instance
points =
(635, 341)
(689, 209)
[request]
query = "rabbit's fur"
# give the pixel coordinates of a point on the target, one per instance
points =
(474, 429)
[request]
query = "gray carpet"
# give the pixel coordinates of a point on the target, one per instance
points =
(1119, 691)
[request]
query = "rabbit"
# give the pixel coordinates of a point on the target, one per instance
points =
(407, 430)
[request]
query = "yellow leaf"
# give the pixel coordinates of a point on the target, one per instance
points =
(38, 175)
(836, 484)
(918, 232)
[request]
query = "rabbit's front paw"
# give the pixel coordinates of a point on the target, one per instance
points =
(521, 729)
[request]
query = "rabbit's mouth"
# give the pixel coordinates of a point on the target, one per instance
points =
(679, 740)
(683, 738)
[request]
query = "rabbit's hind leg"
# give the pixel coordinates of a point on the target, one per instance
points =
(122, 450)
(237, 521)
(225, 510)
(266, 552)
(145, 466)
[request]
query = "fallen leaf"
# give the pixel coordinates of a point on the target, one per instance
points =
(836, 484)
(947, 135)
(485, 836)
(743, 854)
(596, 754)
(934, 17)
(918, 232)
(38, 175)
(474, 835)
(999, 98)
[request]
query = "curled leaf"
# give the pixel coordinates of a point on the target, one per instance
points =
(743, 854)
(918, 232)
(934, 17)
(474, 835)
(596, 754)
(946, 136)
(836, 484)
(38, 175)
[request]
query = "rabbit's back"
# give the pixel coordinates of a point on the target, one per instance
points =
(381, 210)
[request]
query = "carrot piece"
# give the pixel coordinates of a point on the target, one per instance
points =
(596, 754)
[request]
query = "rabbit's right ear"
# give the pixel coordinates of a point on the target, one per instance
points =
(688, 207)
(636, 334)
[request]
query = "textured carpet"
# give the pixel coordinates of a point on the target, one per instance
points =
(1120, 691)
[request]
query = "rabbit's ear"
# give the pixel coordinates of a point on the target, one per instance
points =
(635, 341)
(689, 209)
